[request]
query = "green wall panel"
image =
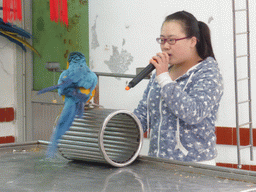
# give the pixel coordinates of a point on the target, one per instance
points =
(54, 41)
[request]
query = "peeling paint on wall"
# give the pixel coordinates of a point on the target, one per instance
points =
(95, 42)
(91, 62)
(119, 62)
(210, 19)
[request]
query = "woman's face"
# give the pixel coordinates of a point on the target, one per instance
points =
(182, 50)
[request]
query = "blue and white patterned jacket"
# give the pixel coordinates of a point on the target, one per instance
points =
(181, 115)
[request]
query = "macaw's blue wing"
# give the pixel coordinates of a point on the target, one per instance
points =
(89, 81)
(48, 89)
(66, 83)
(65, 121)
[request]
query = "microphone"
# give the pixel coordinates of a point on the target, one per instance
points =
(147, 70)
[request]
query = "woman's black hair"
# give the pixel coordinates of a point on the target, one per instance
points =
(199, 29)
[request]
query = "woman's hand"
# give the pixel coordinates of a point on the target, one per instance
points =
(161, 62)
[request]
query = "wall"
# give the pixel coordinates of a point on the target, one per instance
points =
(122, 38)
(7, 87)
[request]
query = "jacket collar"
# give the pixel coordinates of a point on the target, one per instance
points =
(195, 68)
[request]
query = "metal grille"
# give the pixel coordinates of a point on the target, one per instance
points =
(105, 136)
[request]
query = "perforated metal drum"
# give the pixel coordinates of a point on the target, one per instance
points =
(105, 136)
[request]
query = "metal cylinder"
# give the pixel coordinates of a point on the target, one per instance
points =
(104, 136)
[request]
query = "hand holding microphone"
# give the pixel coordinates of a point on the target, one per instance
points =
(160, 62)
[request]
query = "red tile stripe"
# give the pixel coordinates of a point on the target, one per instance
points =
(8, 139)
(227, 136)
(6, 114)
(245, 167)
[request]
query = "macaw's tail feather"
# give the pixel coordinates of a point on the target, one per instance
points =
(14, 41)
(80, 109)
(20, 40)
(82, 98)
(13, 28)
(65, 121)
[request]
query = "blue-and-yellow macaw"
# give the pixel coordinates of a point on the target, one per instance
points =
(12, 33)
(77, 84)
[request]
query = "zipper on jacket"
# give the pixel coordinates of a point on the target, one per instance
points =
(159, 129)
(148, 128)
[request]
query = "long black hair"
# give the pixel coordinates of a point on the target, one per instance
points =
(195, 28)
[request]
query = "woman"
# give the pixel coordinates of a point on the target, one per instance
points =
(181, 101)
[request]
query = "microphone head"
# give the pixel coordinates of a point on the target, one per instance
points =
(140, 76)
